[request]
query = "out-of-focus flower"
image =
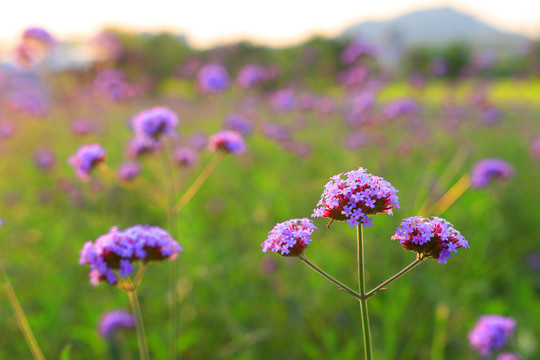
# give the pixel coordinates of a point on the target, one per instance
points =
(401, 107)
(278, 132)
(185, 156)
(508, 356)
(44, 158)
(355, 75)
(250, 76)
(85, 159)
(239, 124)
(129, 170)
(40, 35)
(228, 141)
(535, 148)
(114, 319)
(139, 146)
(354, 198)
(355, 141)
(289, 238)
(113, 85)
(81, 126)
(490, 333)
(198, 141)
(433, 237)
(108, 46)
(484, 171)
(283, 99)
(152, 123)
(533, 260)
(492, 115)
(439, 67)
(111, 256)
(213, 78)
(355, 50)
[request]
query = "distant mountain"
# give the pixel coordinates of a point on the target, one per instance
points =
(434, 27)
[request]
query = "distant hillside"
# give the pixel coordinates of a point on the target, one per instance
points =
(438, 26)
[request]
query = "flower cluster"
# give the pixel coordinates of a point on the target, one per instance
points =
(129, 170)
(289, 238)
(111, 320)
(185, 156)
(152, 123)
(433, 237)
(40, 35)
(354, 198)
(401, 107)
(228, 141)
(490, 333)
(85, 159)
(250, 76)
(238, 123)
(213, 78)
(486, 170)
(117, 250)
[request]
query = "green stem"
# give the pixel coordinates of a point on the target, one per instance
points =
(362, 287)
(136, 308)
(329, 277)
(395, 277)
(20, 317)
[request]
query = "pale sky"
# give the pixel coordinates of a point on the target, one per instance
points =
(273, 22)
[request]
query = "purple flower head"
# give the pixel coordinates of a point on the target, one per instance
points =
(198, 141)
(108, 45)
(535, 148)
(484, 171)
(228, 141)
(81, 127)
(112, 83)
(439, 67)
(44, 158)
(111, 256)
(238, 123)
(433, 237)
(128, 171)
(283, 99)
(153, 123)
(354, 198)
(40, 35)
(278, 132)
(401, 107)
(289, 238)
(85, 159)
(508, 356)
(213, 78)
(490, 333)
(139, 146)
(492, 115)
(185, 156)
(355, 50)
(114, 319)
(355, 75)
(250, 76)
(355, 140)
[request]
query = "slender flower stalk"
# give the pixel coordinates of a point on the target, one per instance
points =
(362, 287)
(131, 290)
(329, 277)
(409, 267)
(199, 181)
(19, 315)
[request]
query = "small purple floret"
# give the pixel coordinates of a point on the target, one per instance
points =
(213, 78)
(490, 333)
(152, 123)
(228, 141)
(85, 159)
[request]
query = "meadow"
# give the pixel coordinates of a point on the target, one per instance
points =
(236, 302)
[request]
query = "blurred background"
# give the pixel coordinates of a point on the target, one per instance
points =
(415, 92)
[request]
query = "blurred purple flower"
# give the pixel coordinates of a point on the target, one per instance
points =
(112, 83)
(289, 238)
(355, 50)
(152, 123)
(238, 123)
(508, 356)
(354, 76)
(401, 107)
(535, 148)
(228, 141)
(439, 67)
(213, 78)
(490, 333)
(355, 141)
(81, 126)
(85, 159)
(278, 132)
(354, 198)
(117, 250)
(185, 156)
(250, 76)
(138, 146)
(198, 140)
(108, 45)
(114, 319)
(283, 99)
(433, 237)
(40, 35)
(484, 171)
(44, 158)
(533, 260)
(492, 115)
(128, 171)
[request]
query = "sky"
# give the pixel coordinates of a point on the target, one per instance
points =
(272, 22)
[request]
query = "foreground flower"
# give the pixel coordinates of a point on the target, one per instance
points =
(117, 250)
(228, 141)
(213, 78)
(39, 35)
(152, 123)
(114, 319)
(486, 170)
(289, 238)
(433, 237)
(85, 159)
(490, 333)
(354, 198)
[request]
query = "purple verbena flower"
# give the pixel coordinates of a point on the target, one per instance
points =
(508, 356)
(111, 256)
(362, 193)
(401, 107)
(283, 99)
(85, 159)
(433, 237)
(289, 238)
(250, 76)
(112, 83)
(535, 148)
(228, 141)
(40, 35)
(490, 333)
(139, 146)
(44, 158)
(114, 319)
(81, 127)
(213, 78)
(238, 123)
(355, 50)
(484, 171)
(185, 156)
(152, 123)
(128, 170)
